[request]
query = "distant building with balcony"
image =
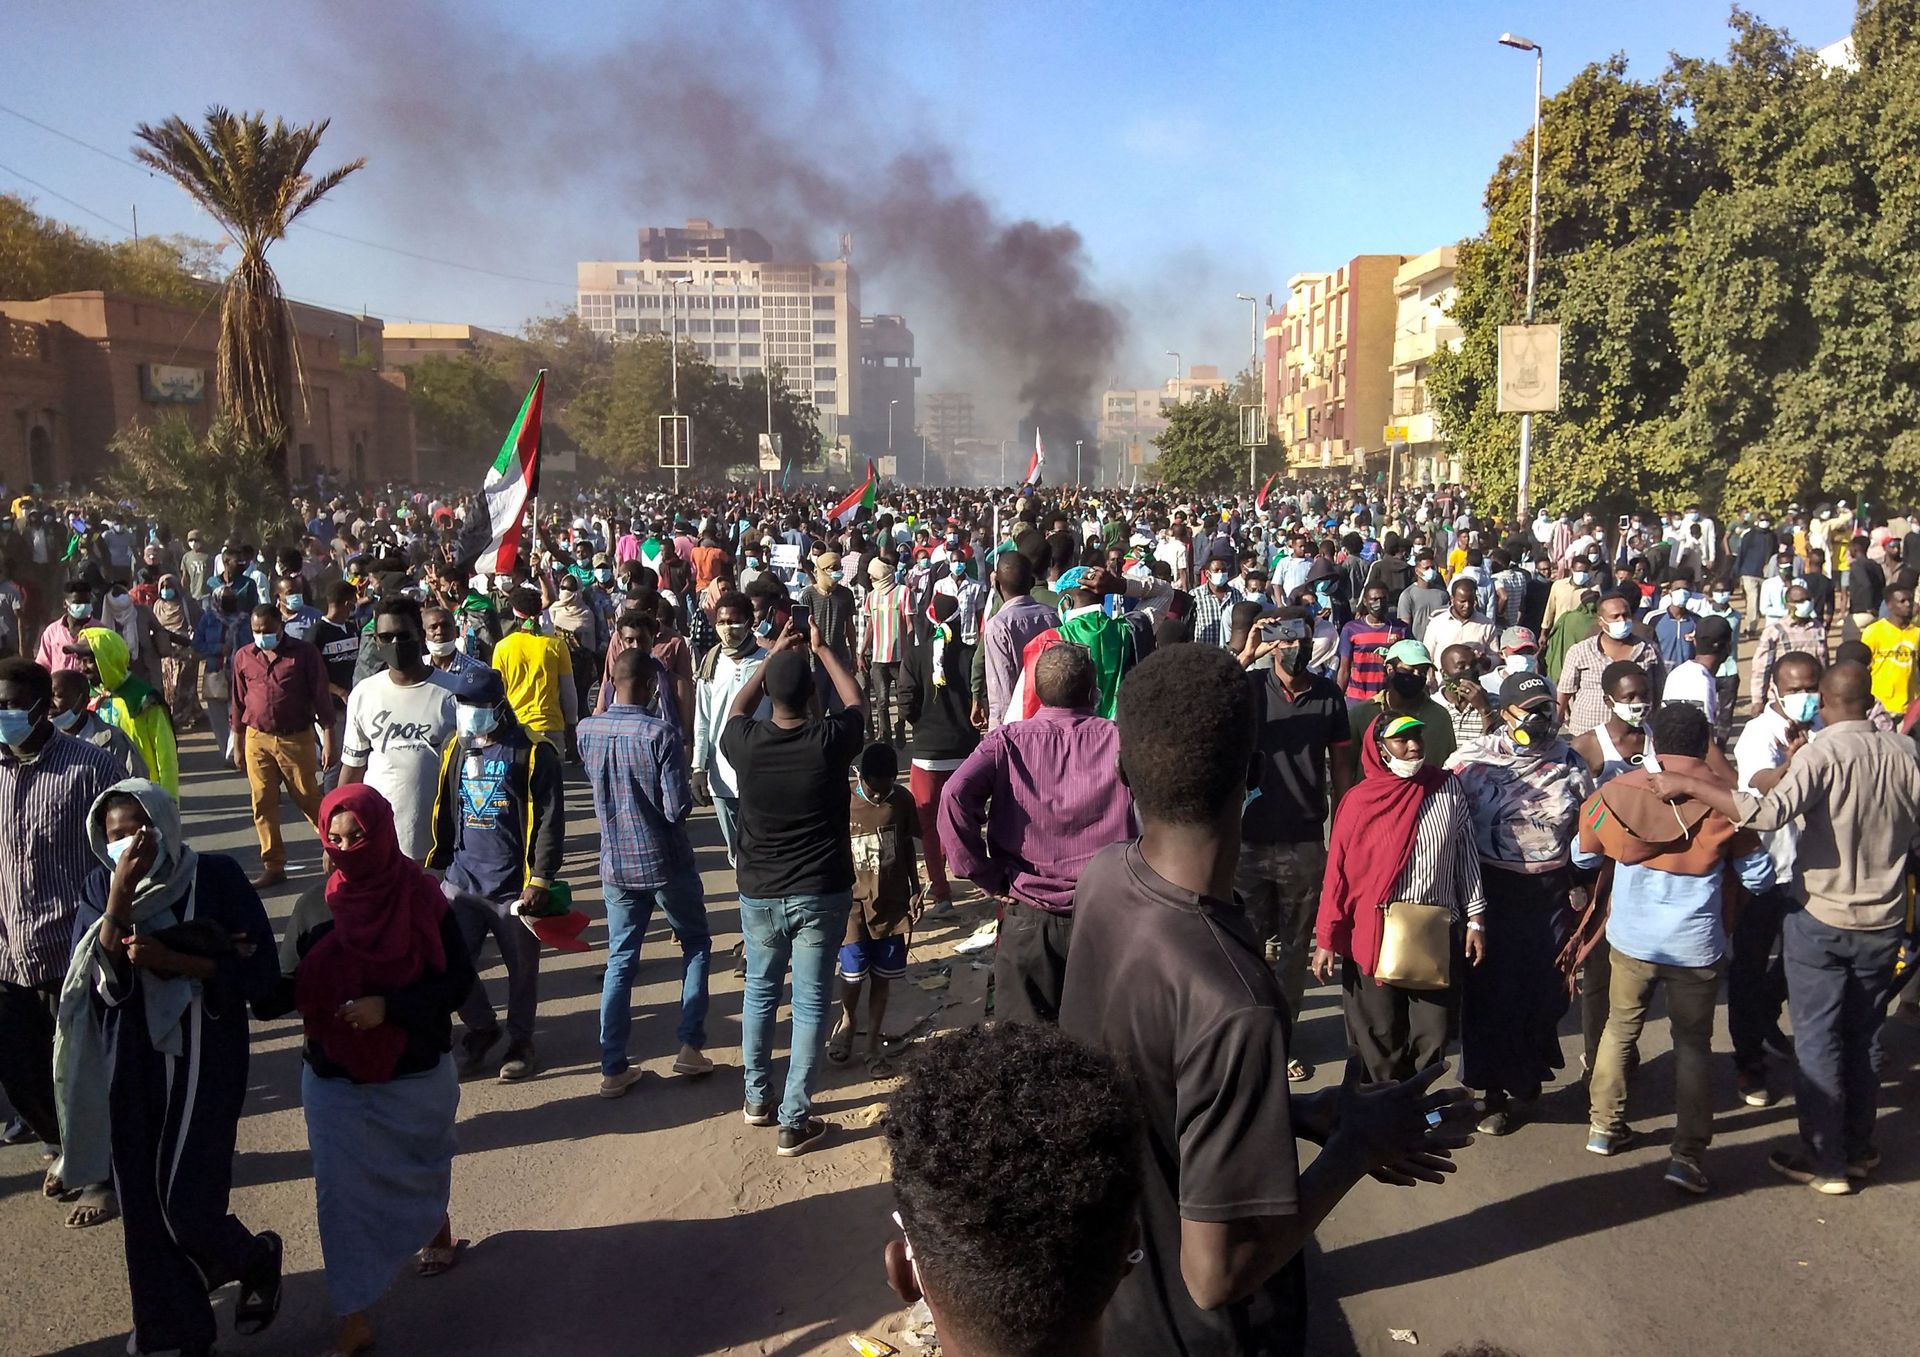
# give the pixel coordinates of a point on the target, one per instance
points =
(1423, 291)
(1130, 419)
(948, 418)
(1329, 358)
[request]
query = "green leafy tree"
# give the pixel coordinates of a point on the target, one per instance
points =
(40, 257)
(461, 404)
(1200, 446)
(253, 179)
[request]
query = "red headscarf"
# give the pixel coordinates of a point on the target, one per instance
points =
(1373, 831)
(386, 931)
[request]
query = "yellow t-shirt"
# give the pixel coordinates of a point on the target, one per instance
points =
(532, 667)
(1893, 651)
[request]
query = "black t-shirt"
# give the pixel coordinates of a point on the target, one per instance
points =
(794, 835)
(1291, 748)
(1171, 984)
(339, 647)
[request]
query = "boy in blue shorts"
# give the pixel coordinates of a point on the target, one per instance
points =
(886, 886)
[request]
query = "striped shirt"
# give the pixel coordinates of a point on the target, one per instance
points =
(882, 617)
(1580, 681)
(1362, 641)
(45, 858)
(1212, 625)
(1444, 866)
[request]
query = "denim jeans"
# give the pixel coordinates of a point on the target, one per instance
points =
(726, 809)
(1838, 983)
(1691, 992)
(808, 929)
(629, 911)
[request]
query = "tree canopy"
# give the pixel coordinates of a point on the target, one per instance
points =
(1729, 250)
(40, 257)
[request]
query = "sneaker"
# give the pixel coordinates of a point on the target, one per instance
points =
(692, 1062)
(475, 1047)
(1605, 1142)
(1298, 1071)
(16, 1132)
(615, 1085)
(760, 1114)
(1753, 1089)
(1796, 1167)
(519, 1064)
(1862, 1164)
(797, 1140)
(1686, 1175)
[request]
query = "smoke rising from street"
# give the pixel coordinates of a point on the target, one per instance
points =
(763, 126)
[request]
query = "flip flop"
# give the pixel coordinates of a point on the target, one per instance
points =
(53, 1186)
(259, 1305)
(96, 1206)
(879, 1067)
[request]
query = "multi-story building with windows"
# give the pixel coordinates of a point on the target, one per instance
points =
(887, 380)
(947, 419)
(1423, 293)
(1329, 366)
(721, 291)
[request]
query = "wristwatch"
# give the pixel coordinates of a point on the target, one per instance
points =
(1475, 926)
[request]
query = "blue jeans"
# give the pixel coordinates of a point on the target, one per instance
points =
(629, 910)
(809, 929)
(1838, 983)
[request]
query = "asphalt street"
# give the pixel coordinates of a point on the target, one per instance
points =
(661, 1225)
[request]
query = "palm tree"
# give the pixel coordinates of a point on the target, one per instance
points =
(253, 180)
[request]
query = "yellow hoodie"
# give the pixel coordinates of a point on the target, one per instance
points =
(131, 705)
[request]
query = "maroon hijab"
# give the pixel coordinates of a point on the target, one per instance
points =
(386, 932)
(1373, 831)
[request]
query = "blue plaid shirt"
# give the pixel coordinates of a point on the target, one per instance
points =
(641, 796)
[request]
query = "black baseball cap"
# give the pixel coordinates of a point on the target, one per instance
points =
(1523, 690)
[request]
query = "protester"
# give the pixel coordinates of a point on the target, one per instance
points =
(1797, 631)
(795, 869)
(1664, 930)
(1892, 641)
(399, 722)
(1582, 694)
(1402, 840)
(936, 702)
(1855, 793)
(1168, 979)
(129, 703)
(1409, 672)
(73, 715)
(376, 983)
(886, 893)
(49, 782)
(280, 694)
(499, 831)
(170, 948)
(537, 670)
(1012, 1255)
(641, 800)
(1022, 817)
(1363, 642)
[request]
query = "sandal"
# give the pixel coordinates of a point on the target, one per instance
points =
(53, 1187)
(97, 1206)
(840, 1045)
(433, 1262)
(879, 1067)
(259, 1303)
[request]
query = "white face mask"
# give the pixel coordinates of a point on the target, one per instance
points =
(1404, 767)
(1678, 598)
(474, 722)
(1621, 629)
(1800, 707)
(1633, 713)
(440, 649)
(1519, 664)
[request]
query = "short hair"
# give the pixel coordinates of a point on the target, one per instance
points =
(342, 592)
(878, 764)
(1681, 728)
(733, 598)
(1186, 726)
(23, 671)
(1063, 675)
(1014, 572)
(68, 679)
(1853, 652)
(266, 612)
(79, 589)
(789, 680)
(1017, 1164)
(635, 663)
(1799, 659)
(524, 601)
(399, 605)
(1617, 671)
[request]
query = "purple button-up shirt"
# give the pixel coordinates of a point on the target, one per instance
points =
(1033, 803)
(1005, 637)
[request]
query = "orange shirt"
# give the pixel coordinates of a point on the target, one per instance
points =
(707, 562)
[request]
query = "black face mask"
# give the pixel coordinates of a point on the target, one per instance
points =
(403, 653)
(1294, 661)
(1535, 732)
(1407, 684)
(1375, 607)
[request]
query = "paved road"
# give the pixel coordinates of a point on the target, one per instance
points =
(661, 1225)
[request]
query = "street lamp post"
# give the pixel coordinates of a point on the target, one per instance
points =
(923, 459)
(1533, 247)
(1175, 356)
(673, 365)
(1076, 460)
(1003, 461)
(890, 405)
(1259, 365)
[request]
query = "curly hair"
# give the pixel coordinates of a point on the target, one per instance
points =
(1186, 732)
(1017, 1162)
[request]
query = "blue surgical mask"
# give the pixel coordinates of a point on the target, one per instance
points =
(296, 601)
(475, 722)
(117, 848)
(169, 594)
(1580, 578)
(67, 720)
(958, 568)
(753, 562)
(1621, 629)
(267, 640)
(16, 726)
(78, 610)
(1800, 707)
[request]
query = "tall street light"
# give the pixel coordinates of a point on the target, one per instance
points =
(1175, 356)
(890, 405)
(1076, 460)
(1258, 368)
(1533, 247)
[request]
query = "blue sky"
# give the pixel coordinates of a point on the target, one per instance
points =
(1199, 149)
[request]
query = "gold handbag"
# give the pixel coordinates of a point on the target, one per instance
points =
(1416, 946)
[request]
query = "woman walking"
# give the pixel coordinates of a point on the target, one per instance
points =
(151, 1066)
(376, 985)
(180, 663)
(1402, 840)
(1524, 786)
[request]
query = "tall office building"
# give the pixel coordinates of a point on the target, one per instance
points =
(948, 418)
(887, 380)
(722, 291)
